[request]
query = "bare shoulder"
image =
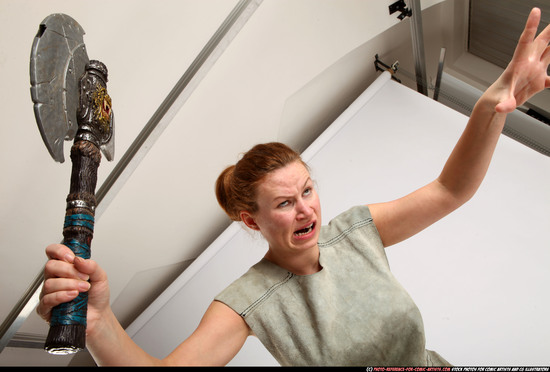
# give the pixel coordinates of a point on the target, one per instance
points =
(221, 314)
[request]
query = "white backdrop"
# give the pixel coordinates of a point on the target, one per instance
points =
(479, 276)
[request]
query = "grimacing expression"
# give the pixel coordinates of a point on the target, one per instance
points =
(289, 212)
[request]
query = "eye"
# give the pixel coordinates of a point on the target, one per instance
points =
(283, 204)
(308, 191)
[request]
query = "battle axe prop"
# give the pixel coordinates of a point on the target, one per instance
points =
(71, 102)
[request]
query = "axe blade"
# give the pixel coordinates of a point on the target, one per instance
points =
(58, 60)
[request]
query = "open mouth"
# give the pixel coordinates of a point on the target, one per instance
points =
(305, 230)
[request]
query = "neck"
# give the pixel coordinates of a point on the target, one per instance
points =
(306, 263)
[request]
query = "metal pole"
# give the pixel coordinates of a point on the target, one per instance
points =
(439, 73)
(418, 47)
(21, 311)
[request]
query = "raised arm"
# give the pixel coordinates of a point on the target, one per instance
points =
(217, 339)
(467, 165)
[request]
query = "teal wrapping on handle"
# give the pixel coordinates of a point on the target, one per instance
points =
(84, 220)
(75, 311)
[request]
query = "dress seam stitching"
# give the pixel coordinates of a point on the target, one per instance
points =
(346, 232)
(266, 295)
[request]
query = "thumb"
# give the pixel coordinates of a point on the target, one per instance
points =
(91, 268)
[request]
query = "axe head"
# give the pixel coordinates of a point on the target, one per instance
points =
(58, 60)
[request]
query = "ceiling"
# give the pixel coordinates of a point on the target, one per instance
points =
(287, 74)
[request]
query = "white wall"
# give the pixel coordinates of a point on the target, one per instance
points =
(283, 69)
(479, 276)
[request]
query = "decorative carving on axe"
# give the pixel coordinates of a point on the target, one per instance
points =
(71, 102)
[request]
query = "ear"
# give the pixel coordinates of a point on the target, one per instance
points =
(249, 220)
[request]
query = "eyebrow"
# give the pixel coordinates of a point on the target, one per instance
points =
(308, 180)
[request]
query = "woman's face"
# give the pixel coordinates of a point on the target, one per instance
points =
(289, 212)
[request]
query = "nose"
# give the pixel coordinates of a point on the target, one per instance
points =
(303, 210)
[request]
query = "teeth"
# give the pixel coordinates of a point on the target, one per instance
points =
(305, 231)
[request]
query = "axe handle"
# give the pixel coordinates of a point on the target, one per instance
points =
(67, 332)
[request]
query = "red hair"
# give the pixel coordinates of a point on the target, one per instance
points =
(236, 186)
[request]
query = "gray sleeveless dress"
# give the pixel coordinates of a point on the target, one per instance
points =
(352, 312)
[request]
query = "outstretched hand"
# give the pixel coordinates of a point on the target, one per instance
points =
(526, 73)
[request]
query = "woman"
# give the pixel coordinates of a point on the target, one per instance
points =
(310, 273)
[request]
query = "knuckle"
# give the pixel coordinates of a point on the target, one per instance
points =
(44, 314)
(46, 303)
(47, 286)
(52, 249)
(50, 264)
